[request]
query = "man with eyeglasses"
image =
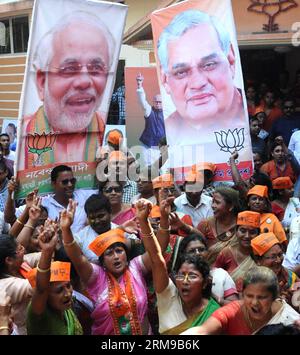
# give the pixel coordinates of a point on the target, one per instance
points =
(72, 65)
(63, 183)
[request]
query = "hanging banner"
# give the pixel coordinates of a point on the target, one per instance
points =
(201, 84)
(70, 72)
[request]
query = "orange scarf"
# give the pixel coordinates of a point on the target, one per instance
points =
(123, 306)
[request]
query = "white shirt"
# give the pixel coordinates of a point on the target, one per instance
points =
(143, 102)
(11, 155)
(292, 256)
(294, 145)
(222, 283)
(202, 211)
(87, 235)
(54, 208)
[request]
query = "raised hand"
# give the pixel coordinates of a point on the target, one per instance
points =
(165, 205)
(175, 222)
(234, 155)
(131, 226)
(67, 215)
(139, 80)
(30, 198)
(48, 237)
(143, 208)
(35, 209)
(12, 186)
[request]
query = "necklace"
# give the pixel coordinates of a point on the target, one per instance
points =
(253, 325)
(222, 236)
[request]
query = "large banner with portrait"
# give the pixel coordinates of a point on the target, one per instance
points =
(201, 84)
(69, 78)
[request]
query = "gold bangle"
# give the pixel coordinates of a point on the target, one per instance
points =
(164, 229)
(4, 328)
(42, 270)
(69, 244)
(20, 222)
(29, 226)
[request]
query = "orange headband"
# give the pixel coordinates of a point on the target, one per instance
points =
(60, 271)
(165, 180)
(193, 176)
(155, 212)
(105, 240)
(204, 166)
(282, 183)
(114, 137)
(264, 242)
(259, 190)
(248, 218)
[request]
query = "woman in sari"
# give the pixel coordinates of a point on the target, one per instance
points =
(284, 205)
(120, 212)
(282, 164)
(268, 252)
(259, 202)
(187, 302)
(236, 259)
(260, 306)
(49, 312)
(116, 286)
(223, 287)
(220, 228)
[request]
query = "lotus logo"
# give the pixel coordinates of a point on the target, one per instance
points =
(230, 141)
(271, 8)
(40, 143)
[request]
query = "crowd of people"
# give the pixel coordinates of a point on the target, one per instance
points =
(153, 256)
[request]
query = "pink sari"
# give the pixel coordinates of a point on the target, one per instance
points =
(124, 216)
(98, 291)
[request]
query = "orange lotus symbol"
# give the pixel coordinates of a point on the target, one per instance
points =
(40, 143)
(271, 9)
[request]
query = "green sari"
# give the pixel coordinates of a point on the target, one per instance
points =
(195, 320)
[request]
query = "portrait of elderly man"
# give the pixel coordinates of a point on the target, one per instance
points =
(72, 63)
(197, 68)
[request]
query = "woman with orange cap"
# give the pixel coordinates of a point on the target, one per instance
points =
(116, 286)
(282, 192)
(260, 306)
(236, 259)
(268, 252)
(285, 206)
(258, 201)
(49, 312)
(219, 229)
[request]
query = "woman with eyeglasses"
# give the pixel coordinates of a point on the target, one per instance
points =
(120, 212)
(223, 287)
(260, 306)
(236, 259)
(219, 230)
(268, 252)
(182, 304)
